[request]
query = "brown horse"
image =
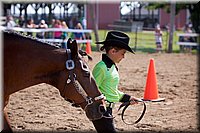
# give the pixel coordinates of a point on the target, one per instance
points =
(28, 61)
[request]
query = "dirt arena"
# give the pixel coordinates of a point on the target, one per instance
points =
(41, 108)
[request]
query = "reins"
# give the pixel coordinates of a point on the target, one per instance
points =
(126, 105)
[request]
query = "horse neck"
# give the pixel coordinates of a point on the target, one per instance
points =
(29, 63)
(49, 67)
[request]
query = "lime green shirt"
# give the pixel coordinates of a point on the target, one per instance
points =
(107, 79)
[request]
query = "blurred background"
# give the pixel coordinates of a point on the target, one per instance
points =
(138, 19)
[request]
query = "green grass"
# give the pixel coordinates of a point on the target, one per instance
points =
(145, 41)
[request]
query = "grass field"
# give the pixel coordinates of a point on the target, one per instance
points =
(142, 42)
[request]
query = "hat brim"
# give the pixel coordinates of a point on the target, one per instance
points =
(116, 43)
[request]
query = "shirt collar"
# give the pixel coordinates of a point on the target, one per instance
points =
(108, 61)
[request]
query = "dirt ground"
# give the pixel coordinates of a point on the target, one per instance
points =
(41, 108)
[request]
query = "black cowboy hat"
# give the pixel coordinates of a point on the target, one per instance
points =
(118, 39)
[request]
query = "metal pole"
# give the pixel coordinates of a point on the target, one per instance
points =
(136, 38)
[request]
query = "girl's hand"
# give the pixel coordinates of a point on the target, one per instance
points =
(134, 100)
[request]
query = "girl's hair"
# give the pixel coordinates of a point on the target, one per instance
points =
(108, 47)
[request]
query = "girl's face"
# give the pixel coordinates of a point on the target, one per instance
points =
(117, 55)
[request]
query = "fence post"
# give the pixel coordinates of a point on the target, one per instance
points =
(135, 39)
(167, 39)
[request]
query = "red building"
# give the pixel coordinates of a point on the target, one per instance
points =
(107, 13)
(180, 19)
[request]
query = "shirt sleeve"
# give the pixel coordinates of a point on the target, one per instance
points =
(99, 74)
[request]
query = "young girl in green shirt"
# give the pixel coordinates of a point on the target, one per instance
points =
(106, 75)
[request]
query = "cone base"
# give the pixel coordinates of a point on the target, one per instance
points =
(155, 100)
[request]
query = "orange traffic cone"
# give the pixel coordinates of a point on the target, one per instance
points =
(151, 90)
(88, 48)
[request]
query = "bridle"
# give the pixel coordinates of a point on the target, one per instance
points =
(89, 101)
(71, 79)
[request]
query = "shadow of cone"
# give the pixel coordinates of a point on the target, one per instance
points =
(88, 48)
(151, 90)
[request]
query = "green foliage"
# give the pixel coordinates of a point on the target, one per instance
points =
(193, 9)
(152, 6)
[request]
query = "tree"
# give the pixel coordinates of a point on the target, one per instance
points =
(192, 7)
(195, 16)
(172, 18)
(194, 12)
(36, 7)
(6, 7)
(94, 22)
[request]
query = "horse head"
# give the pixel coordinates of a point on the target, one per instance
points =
(80, 86)
(28, 61)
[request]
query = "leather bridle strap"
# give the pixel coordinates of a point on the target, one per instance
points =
(126, 105)
(72, 78)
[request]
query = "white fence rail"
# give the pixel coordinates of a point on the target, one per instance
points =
(182, 42)
(46, 30)
(51, 30)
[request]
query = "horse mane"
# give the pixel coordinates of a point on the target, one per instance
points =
(21, 35)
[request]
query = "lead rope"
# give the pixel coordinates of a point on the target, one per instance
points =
(126, 105)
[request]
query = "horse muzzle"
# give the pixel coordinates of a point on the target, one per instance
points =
(95, 111)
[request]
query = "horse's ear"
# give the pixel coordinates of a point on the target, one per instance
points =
(74, 49)
(73, 46)
(69, 42)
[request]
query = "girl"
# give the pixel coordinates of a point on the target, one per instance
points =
(107, 77)
(158, 38)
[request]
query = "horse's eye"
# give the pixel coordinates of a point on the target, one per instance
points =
(84, 66)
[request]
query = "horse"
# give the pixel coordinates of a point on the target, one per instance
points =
(28, 61)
